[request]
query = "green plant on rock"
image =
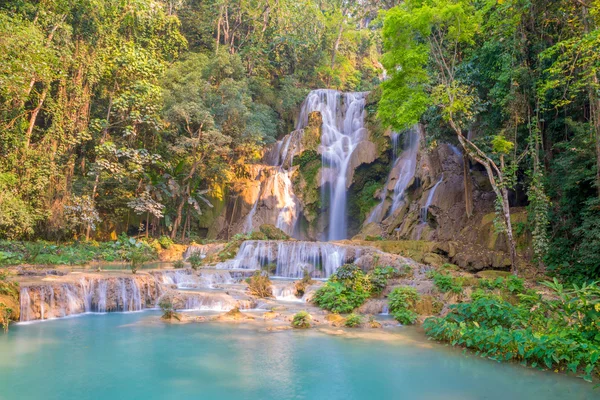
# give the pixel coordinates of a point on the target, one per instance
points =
(5, 313)
(260, 285)
(402, 301)
(353, 321)
(195, 261)
(379, 277)
(178, 264)
(168, 309)
(301, 320)
(138, 256)
(346, 290)
(165, 242)
(446, 282)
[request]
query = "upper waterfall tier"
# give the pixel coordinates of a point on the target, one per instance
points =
(343, 129)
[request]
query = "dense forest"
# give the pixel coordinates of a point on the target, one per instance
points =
(120, 113)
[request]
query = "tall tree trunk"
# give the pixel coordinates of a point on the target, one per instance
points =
(501, 191)
(33, 117)
(468, 184)
(178, 217)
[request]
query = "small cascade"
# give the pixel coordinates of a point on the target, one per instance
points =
(88, 294)
(385, 310)
(275, 181)
(405, 166)
(289, 259)
(403, 170)
(425, 209)
(286, 293)
(207, 303)
(189, 279)
(343, 129)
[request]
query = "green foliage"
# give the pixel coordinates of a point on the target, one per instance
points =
(195, 261)
(554, 334)
(178, 264)
(379, 277)
(138, 256)
(402, 302)
(510, 284)
(168, 309)
(353, 321)
(76, 253)
(345, 290)
(445, 282)
(165, 242)
(301, 320)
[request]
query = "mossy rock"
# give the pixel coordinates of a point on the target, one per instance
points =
(336, 320)
(428, 305)
(273, 233)
(493, 274)
(258, 235)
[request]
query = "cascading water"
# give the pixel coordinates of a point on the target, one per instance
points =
(278, 184)
(403, 170)
(406, 166)
(425, 209)
(88, 294)
(289, 259)
(343, 128)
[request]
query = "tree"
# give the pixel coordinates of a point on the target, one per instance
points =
(425, 42)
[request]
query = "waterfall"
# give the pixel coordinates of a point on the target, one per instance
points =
(403, 170)
(278, 184)
(425, 209)
(88, 294)
(405, 166)
(289, 259)
(343, 128)
(188, 279)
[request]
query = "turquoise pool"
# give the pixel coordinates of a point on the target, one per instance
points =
(136, 356)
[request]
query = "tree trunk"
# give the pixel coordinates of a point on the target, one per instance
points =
(178, 218)
(33, 117)
(468, 186)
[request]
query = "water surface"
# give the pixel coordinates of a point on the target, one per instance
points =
(136, 356)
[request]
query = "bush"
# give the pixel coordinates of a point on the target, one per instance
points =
(195, 261)
(353, 321)
(301, 320)
(137, 256)
(301, 285)
(379, 278)
(560, 334)
(165, 242)
(346, 290)
(510, 284)
(168, 309)
(446, 282)
(402, 302)
(259, 285)
(178, 264)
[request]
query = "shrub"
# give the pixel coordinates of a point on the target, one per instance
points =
(556, 334)
(259, 285)
(137, 256)
(379, 278)
(195, 261)
(402, 302)
(446, 282)
(353, 321)
(301, 320)
(168, 309)
(178, 264)
(346, 290)
(510, 284)
(165, 242)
